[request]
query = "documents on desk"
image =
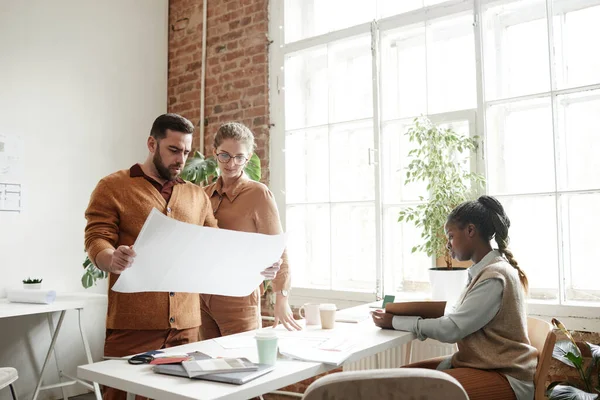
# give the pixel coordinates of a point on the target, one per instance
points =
(333, 351)
(174, 256)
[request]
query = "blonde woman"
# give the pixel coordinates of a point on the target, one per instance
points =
(241, 204)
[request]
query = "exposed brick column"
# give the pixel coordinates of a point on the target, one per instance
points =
(237, 67)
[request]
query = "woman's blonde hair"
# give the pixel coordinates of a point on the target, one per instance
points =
(236, 131)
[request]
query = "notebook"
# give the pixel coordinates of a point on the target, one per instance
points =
(235, 378)
(424, 309)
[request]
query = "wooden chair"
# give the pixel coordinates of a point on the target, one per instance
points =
(543, 338)
(397, 383)
(7, 377)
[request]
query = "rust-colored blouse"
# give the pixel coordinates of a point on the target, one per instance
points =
(249, 206)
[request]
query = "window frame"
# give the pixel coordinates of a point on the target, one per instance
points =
(277, 53)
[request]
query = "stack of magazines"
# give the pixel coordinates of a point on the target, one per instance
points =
(236, 371)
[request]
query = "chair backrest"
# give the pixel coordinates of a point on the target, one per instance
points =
(543, 338)
(397, 383)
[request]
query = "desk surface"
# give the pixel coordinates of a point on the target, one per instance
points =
(64, 301)
(141, 380)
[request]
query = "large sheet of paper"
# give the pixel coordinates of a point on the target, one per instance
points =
(174, 256)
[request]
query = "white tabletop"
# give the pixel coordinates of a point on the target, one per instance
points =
(64, 301)
(141, 380)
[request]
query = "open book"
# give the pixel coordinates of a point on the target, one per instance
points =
(424, 309)
(236, 378)
(217, 365)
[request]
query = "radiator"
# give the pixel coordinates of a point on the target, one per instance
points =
(395, 357)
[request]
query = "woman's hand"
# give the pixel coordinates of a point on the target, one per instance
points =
(382, 319)
(283, 314)
(271, 272)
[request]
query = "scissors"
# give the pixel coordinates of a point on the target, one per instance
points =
(143, 358)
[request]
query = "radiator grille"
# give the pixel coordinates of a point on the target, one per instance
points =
(395, 357)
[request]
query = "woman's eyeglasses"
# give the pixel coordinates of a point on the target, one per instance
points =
(225, 157)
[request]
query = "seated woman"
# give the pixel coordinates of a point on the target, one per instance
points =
(495, 359)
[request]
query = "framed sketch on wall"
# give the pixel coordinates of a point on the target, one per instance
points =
(10, 172)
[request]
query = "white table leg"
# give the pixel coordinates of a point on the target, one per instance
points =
(130, 396)
(50, 350)
(51, 327)
(88, 353)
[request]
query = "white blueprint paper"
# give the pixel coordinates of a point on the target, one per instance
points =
(174, 256)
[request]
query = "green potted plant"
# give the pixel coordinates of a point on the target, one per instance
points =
(568, 352)
(435, 160)
(34, 283)
(199, 170)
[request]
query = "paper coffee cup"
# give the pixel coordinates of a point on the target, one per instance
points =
(266, 345)
(327, 312)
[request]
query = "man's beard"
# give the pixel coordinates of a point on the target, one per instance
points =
(163, 171)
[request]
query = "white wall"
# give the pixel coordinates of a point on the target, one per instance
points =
(81, 81)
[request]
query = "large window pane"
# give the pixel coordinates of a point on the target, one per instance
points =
(309, 245)
(574, 26)
(388, 8)
(351, 91)
(451, 65)
(533, 241)
(307, 18)
(428, 69)
(579, 140)
(306, 165)
(404, 73)
(520, 148)
(581, 220)
(515, 48)
(405, 271)
(353, 247)
(306, 89)
(352, 178)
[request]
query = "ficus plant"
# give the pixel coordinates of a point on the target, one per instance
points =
(435, 160)
(199, 170)
(567, 352)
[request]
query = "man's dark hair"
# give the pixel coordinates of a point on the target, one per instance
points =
(173, 122)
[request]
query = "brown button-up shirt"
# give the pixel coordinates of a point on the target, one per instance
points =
(249, 206)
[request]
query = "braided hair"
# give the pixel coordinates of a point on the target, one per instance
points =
(488, 216)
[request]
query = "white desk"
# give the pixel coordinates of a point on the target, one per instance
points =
(63, 303)
(140, 380)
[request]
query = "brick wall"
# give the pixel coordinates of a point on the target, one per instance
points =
(237, 67)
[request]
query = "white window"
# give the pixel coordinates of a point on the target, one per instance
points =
(542, 134)
(345, 89)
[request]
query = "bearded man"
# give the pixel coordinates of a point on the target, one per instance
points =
(118, 208)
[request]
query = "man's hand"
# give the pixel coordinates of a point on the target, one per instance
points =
(115, 261)
(382, 319)
(283, 314)
(271, 272)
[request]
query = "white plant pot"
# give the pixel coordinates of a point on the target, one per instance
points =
(447, 284)
(32, 286)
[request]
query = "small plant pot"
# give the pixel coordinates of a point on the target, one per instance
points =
(32, 286)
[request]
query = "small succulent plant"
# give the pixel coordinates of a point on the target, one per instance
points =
(32, 281)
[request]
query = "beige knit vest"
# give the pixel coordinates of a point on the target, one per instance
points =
(502, 345)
